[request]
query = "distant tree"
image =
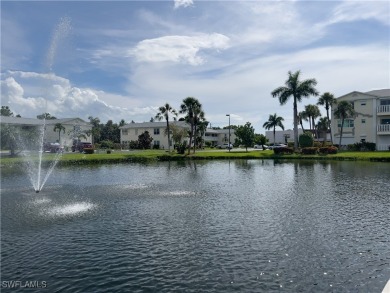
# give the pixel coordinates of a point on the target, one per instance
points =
(178, 133)
(323, 126)
(231, 127)
(312, 112)
(193, 108)
(151, 119)
(273, 122)
(246, 134)
(46, 116)
(343, 111)
(145, 140)
(297, 89)
(6, 111)
(302, 117)
(327, 100)
(163, 113)
(260, 139)
(96, 129)
(59, 127)
(122, 123)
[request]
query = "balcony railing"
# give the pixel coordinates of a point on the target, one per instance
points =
(383, 109)
(383, 128)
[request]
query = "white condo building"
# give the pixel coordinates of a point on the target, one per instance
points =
(371, 122)
(130, 132)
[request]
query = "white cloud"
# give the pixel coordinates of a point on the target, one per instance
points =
(178, 49)
(183, 3)
(361, 10)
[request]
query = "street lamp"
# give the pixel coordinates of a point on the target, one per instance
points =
(229, 131)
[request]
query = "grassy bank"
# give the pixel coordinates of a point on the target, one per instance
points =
(161, 155)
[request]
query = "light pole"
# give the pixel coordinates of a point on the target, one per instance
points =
(229, 131)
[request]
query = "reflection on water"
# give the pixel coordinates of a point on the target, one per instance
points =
(223, 226)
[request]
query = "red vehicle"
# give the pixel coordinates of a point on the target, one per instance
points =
(83, 147)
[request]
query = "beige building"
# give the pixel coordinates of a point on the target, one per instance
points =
(130, 132)
(372, 120)
(74, 128)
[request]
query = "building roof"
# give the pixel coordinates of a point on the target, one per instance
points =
(34, 121)
(379, 93)
(153, 124)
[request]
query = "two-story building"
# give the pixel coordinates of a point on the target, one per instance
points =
(157, 130)
(371, 122)
(73, 129)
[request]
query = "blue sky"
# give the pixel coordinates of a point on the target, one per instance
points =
(123, 59)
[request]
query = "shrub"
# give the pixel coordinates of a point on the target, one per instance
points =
(108, 151)
(181, 148)
(310, 150)
(89, 151)
(328, 150)
(106, 144)
(362, 146)
(306, 140)
(317, 144)
(133, 145)
(156, 147)
(283, 150)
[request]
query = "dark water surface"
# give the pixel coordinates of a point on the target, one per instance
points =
(221, 226)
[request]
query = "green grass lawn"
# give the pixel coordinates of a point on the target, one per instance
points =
(162, 155)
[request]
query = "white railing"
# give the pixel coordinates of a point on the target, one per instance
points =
(382, 147)
(383, 109)
(383, 128)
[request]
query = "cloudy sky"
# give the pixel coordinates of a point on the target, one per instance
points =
(123, 59)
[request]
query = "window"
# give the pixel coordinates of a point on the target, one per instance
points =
(156, 131)
(124, 131)
(347, 123)
(156, 142)
(385, 102)
(363, 121)
(363, 103)
(136, 131)
(385, 121)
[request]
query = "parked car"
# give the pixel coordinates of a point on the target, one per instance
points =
(259, 146)
(53, 147)
(278, 145)
(225, 146)
(82, 147)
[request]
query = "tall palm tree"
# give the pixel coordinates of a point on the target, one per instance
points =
(164, 113)
(327, 99)
(96, 129)
(302, 117)
(312, 112)
(190, 106)
(322, 126)
(59, 127)
(297, 89)
(343, 111)
(198, 120)
(273, 122)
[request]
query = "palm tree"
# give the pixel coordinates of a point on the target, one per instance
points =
(302, 117)
(164, 113)
(59, 127)
(192, 107)
(312, 112)
(273, 122)
(327, 100)
(343, 110)
(95, 121)
(322, 126)
(297, 89)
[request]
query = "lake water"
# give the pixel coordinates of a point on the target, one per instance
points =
(215, 226)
